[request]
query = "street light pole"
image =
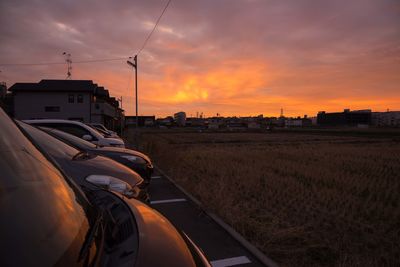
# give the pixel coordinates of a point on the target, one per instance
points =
(135, 66)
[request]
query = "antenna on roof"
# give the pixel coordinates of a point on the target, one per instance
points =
(68, 60)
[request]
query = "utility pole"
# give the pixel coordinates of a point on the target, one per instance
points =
(135, 66)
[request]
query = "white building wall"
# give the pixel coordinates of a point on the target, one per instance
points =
(31, 105)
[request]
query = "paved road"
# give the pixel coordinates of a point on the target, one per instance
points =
(219, 247)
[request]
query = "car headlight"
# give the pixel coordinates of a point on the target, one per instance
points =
(112, 184)
(134, 159)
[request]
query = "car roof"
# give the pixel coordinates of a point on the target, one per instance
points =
(53, 121)
(90, 129)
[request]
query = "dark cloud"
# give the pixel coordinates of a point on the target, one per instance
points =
(215, 54)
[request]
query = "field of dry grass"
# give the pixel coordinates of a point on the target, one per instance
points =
(304, 200)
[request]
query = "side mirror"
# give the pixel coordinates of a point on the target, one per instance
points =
(87, 137)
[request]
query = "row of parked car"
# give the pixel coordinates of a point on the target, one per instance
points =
(71, 194)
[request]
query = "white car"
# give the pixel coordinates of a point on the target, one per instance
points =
(103, 130)
(80, 130)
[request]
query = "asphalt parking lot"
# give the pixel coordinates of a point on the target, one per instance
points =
(218, 245)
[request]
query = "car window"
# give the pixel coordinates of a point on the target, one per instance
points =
(71, 139)
(44, 218)
(73, 129)
(101, 126)
(53, 146)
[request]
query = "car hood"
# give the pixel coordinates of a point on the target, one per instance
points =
(101, 166)
(125, 151)
(160, 244)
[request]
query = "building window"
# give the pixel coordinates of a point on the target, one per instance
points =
(80, 99)
(52, 109)
(71, 98)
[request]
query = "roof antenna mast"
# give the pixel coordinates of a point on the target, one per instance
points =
(68, 60)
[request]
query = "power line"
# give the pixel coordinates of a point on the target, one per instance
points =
(94, 60)
(154, 28)
(32, 64)
(63, 63)
(101, 60)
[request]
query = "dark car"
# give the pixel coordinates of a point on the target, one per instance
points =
(134, 160)
(84, 167)
(47, 220)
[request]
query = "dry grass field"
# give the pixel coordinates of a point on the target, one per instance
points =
(303, 199)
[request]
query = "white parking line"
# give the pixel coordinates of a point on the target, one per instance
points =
(156, 177)
(167, 201)
(230, 261)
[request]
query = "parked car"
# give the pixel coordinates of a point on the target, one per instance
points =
(84, 167)
(134, 160)
(47, 220)
(80, 130)
(100, 127)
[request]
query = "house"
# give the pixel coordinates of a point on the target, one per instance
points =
(80, 100)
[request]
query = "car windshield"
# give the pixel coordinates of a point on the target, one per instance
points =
(53, 146)
(100, 131)
(100, 126)
(44, 216)
(69, 138)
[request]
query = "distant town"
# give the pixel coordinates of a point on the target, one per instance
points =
(86, 101)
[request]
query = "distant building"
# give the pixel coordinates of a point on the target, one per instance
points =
(236, 125)
(80, 100)
(386, 119)
(195, 122)
(298, 122)
(143, 121)
(180, 118)
(345, 118)
(253, 125)
(294, 123)
(167, 122)
(213, 126)
(214, 123)
(313, 121)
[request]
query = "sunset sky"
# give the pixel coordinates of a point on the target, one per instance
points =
(232, 57)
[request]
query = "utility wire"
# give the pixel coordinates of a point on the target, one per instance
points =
(95, 60)
(62, 63)
(154, 28)
(32, 64)
(100, 60)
